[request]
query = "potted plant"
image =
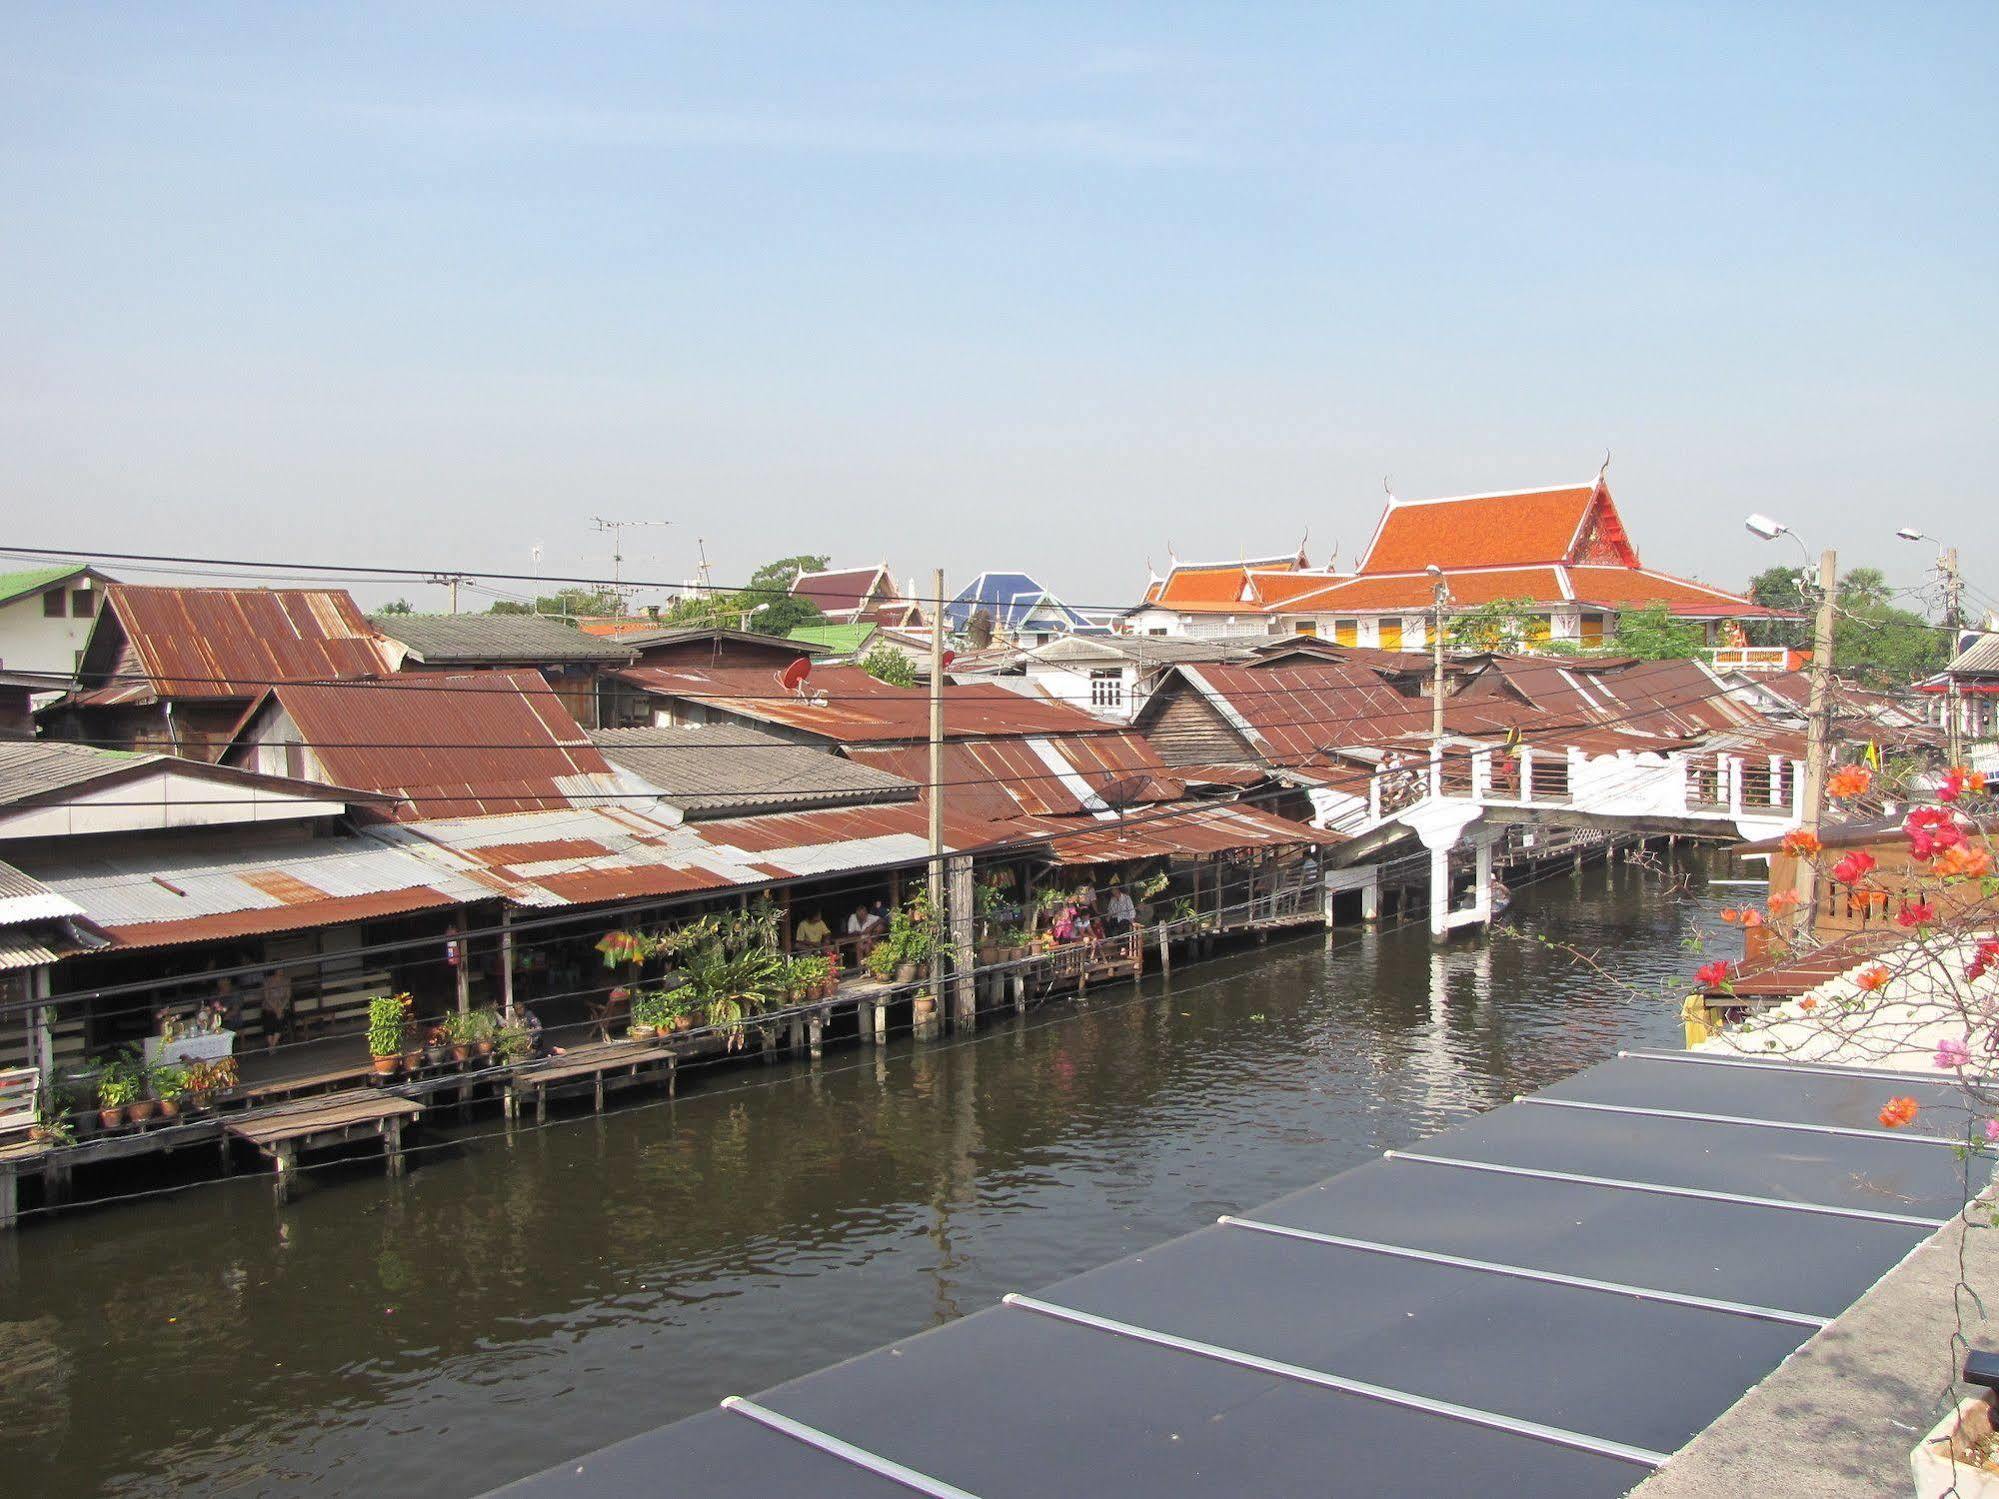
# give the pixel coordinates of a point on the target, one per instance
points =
(169, 1087)
(51, 1126)
(729, 987)
(206, 1079)
(141, 1106)
(651, 1014)
(116, 1089)
(1960, 1455)
(513, 1044)
(436, 1046)
(388, 1016)
(485, 1030)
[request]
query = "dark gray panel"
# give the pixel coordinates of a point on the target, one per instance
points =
(1552, 1354)
(1766, 1093)
(1794, 1261)
(1838, 1170)
(716, 1454)
(1012, 1405)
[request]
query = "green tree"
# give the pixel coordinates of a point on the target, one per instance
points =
(1879, 645)
(1780, 588)
(567, 602)
(1651, 634)
(767, 605)
(887, 664)
(396, 606)
(1502, 625)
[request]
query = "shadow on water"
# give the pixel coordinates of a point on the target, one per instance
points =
(515, 1302)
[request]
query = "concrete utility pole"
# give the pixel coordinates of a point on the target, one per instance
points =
(939, 913)
(452, 580)
(1440, 596)
(1818, 731)
(1953, 618)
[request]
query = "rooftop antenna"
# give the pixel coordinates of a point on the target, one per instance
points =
(617, 559)
(707, 582)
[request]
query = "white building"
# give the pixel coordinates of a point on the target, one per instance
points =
(45, 616)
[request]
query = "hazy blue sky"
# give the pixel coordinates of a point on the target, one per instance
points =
(990, 286)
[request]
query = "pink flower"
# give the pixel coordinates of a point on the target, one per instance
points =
(1853, 868)
(1952, 1054)
(1930, 831)
(1992, 1129)
(1921, 913)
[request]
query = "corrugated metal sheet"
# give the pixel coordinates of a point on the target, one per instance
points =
(1197, 830)
(419, 738)
(33, 767)
(1290, 713)
(749, 772)
(24, 898)
(334, 911)
(1037, 776)
(859, 709)
(516, 639)
(229, 642)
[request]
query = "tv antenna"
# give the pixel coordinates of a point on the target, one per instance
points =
(616, 528)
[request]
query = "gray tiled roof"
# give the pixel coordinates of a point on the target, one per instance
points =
(1150, 650)
(29, 767)
(725, 770)
(1982, 655)
(523, 638)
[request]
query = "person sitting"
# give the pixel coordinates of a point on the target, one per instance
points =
(813, 931)
(863, 927)
(1119, 913)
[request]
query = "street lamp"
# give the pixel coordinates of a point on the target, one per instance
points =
(1818, 736)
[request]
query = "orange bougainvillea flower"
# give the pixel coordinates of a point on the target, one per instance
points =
(1849, 780)
(1874, 978)
(1802, 844)
(1730, 915)
(1808, 1004)
(1963, 861)
(1752, 918)
(1783, 901)
(1897, 1112)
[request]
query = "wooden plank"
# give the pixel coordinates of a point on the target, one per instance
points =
(320, 1116)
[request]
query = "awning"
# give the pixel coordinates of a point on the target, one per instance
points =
(1198, 830)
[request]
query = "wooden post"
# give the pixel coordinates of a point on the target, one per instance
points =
(815, 1033)
(1165, 953)
(964, 994)
(463, 969)
(392, 1143)
(10, 1206)
(286, 1161)
(507, 962)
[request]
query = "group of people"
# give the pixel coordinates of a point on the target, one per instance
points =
(864, 925)
(1079, 919)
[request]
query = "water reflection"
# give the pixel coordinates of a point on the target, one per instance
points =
(513, 1302)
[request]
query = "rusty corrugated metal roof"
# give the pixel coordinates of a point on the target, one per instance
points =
(230, 642)
(419, 738)
(1191, 830)
(860, 709)
(1052, 775)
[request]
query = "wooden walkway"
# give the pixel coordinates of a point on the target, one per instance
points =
(321, 1123)
(602, 1066)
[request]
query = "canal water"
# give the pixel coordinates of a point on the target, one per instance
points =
(510, 1304)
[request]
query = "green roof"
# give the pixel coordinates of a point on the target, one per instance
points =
(842, 640)
(28, 580)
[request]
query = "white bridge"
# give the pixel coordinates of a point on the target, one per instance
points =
(1469, 791)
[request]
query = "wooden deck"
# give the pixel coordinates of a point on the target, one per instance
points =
(601, 1067)
(320, 1123)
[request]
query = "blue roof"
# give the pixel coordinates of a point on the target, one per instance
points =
(1011, 599)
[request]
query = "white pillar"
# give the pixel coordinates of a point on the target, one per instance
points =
(41, 1043)
(507, 962)
(1440, 891)
(1370, 896)
(1483, 889)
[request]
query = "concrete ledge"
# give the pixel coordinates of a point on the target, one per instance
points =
(1838, 1418)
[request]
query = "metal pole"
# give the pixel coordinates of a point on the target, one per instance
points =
(1818, 732)
(1439, 595)
(1953, 618)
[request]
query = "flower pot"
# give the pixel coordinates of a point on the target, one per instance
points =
(641, 1032)
(38, 1134)
(484, 1048)
(437, 1056)
(195, 1102)
(386, 1066)
(989, 954)
(1932, 1464)
(144, 1109)
(110, 1118)
(905, 973)
(924, 1008)
(169, 1109)
(683, 1022)
(460, 1053)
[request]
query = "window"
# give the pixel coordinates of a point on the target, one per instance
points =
(1156, 630)
(1346, 632)
(82, 603)
(1593, 628)
(1308, 627)
(1391, 634)
(52, 603)
(1107, 688)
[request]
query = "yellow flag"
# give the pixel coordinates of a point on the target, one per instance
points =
(1873, 754)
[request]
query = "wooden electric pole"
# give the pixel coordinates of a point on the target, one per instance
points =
(1953, 618)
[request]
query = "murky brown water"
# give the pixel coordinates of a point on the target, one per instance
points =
(510, 1305)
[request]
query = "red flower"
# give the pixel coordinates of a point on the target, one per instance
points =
(1921, 913)
(1854, 867)
(1931, 830)
(1874, 978)
(1987, 955)
(1713, 975)
(1849, 780)
(1897, 1112)
(1802, 844)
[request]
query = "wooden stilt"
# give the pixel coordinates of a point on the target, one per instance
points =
(392, 1143)
(285, 1159)
(815, 1035)
(10, 1201)
(597, 1092)
(1165, 955)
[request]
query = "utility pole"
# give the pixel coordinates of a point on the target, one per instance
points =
(939, 902)
(1818, 733)
(1953, 618)
(1440, 596)
(451, 580)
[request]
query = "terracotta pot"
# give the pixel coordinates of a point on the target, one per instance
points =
(641, 1032)
(169, 1109)
(830, 987)
(905, 973)
(924, 1008)
(110, 1118)
(484, 1048)
(195, 1102)
(460, 1053)
(386, 1066)
(683, 1022)
(989, 954)
(38, 1134)
(143, 1110)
